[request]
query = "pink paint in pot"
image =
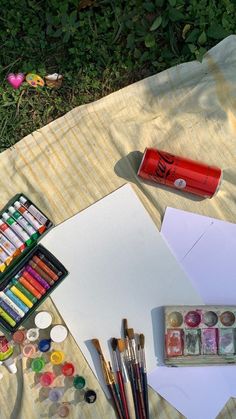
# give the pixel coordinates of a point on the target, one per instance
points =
(47, 379)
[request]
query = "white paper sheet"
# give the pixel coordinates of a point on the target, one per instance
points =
(120, 267)
(205, 247)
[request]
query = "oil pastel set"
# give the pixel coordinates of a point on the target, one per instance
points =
(200, 335)
(29, 272)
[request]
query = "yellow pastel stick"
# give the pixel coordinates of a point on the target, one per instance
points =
(21, 296)
(2, 267)
(7, 318)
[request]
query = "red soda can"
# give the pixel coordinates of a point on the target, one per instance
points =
(180, 173)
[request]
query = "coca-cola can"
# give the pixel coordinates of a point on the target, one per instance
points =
(180, 173)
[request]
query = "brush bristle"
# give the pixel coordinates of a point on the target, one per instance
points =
(114, 343)
(130, 333)
(96, 344)
(142, 340)
(121, 345)
(125, 327)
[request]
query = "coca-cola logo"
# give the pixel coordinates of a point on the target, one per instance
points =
(163, 170)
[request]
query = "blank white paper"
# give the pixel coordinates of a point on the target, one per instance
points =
(120, 267)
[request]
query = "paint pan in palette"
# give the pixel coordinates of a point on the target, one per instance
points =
(203, 335)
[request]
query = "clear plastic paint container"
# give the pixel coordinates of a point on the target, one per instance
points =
(55, 394)
(32, 334)
(29, 350)
(57, 357)
(47, 378)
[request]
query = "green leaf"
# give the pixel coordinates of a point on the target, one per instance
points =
(150, 40)
(172, 3)
(217, 31)
(200, 53)
(192, 48)
(202, 38)
(193, 36)
(175, 14)
(156, 23)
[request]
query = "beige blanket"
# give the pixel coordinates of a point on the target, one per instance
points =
(69, 164)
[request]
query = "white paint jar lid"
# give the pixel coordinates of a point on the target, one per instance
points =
(43, 319)
(58, 333)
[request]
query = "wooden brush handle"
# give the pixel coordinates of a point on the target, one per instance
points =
(130, 401)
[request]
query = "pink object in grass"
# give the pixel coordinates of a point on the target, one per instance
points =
(15, 80)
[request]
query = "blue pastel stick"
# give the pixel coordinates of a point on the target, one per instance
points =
(9, 311)
(16, 300)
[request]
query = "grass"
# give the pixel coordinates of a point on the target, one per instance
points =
(99, 47)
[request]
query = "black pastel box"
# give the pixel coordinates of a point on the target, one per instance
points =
(200, 335)
(28, 271)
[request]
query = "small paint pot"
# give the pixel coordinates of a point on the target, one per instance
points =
(37, 364)
(57, 357)
(47, 379)
(78, 382)
(175, 319)
(43, 319)
(19, 336)
(68, 369)
(32, 334)
(29, 350)
(90, 396)
(210, 318)
(55, 394)
(192, 319)
(63, 411)
(58, 333)
(227, 318)
(44, 345)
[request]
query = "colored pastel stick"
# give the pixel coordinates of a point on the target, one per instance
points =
(45, 268)
(30, 288)
(34, 282)
(29, 217)
(38, 278)
(49, 263)
(35, 212)
(2, 267)
(16, 308)
(9, 310)
(14, 239)
(17, 228)
(22, 289)
(21, 296)
(43, 274)
(16, 300)
(23, 223)
(7, 318)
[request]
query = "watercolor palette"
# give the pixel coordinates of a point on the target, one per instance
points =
(28, 271)
(201, 335)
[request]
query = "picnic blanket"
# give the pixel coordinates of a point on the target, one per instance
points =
(189, 110)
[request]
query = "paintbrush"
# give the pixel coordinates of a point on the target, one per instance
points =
(119, 377)
(108, 377)
(144, 373)
(127, 386)
(136, 370)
